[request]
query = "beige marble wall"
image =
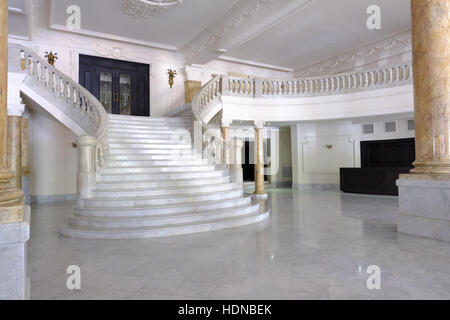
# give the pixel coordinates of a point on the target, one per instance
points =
(191, 87)
(431, 64)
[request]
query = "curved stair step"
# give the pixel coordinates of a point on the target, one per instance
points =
(160, 169)
(167, 175)
(149, 192)
(155, 183)
(150, 221)
(159, 200)
(156, 163)
(200, 206)
(164, 231)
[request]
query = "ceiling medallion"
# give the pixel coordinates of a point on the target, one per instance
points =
(147, 8)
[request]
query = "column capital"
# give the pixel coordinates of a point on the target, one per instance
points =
(226, 123)
(259, 124)
(86, 141)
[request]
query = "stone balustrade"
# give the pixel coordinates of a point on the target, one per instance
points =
(205, 103)
(79, 105)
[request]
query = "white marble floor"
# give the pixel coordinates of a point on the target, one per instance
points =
(317, 245)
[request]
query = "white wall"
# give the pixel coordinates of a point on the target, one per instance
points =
(321, 148)
(281, 156)
(53, 160)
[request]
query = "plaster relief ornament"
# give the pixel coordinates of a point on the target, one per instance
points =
(147, 8)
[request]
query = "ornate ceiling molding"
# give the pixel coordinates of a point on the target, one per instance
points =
(232, 19)
(399, 39)
(147, 8)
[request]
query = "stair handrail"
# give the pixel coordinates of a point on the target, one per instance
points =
(78, 104)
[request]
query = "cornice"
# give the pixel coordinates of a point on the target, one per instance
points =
(399, 39)
(230, 20)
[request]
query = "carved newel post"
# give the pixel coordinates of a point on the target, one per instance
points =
(86, 166)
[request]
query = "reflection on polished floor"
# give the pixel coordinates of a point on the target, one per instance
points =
(316, 245)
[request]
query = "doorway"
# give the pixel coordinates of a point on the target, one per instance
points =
(121, 86)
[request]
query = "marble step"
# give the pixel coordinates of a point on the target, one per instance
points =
(172, 153)
(147, 119)
(173, 140)
(160, 191)
(163, 136)
(183, 198)
(157, 163)
(197, 207)
(159, 126)
(149, 131)
(151, 221)
(167, 175)
(154, 157)
(154, 183)
(165, 230)
(161, 169)
(143, 146)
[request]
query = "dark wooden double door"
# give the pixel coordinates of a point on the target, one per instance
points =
(121, 86)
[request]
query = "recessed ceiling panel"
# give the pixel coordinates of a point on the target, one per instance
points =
(323, 29)
(175, 26)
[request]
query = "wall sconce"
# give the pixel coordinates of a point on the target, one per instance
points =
(51, 57)
(172, 74)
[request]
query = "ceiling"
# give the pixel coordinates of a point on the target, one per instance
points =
(287, 33)
(174, 27)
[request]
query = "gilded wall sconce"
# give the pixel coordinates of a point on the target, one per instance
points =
(172, 74)
(51, 57)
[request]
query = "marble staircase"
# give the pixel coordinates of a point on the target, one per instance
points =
(153, 184)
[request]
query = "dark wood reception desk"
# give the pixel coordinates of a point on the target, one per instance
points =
(382, 161)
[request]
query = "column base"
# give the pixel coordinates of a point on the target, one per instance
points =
(12, 211)
(424, 202)
(13, 259)
(237, 175)
(260, 196)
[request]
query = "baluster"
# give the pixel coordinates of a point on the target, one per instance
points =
(64, 89)
(58, 86)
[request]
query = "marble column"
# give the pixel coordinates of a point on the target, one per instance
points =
(431, 66)
(191, 87)
(11, 198)
(15, 142)
(236, 165)
(225, 134)
(425, 192)
(260, 192)
(14, 216)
